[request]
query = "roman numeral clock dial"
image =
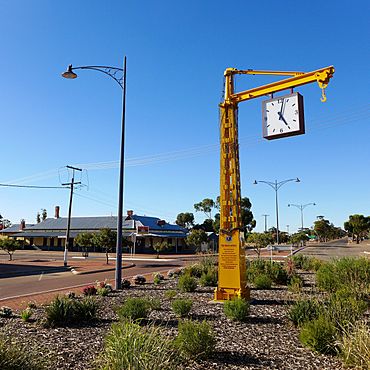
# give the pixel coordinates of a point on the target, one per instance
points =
(283, 116)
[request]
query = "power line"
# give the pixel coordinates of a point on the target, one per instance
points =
(32, 186)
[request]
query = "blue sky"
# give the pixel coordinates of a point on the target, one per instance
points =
(177, 52)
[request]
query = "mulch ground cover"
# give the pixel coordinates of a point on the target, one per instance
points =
(267, 340)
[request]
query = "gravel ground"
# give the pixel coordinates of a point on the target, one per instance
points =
(266, 341)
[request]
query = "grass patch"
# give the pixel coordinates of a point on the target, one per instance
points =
(303, 311)
(134, 309)
(181, 307)
(262, 281)
(236, 309)
(187, 283)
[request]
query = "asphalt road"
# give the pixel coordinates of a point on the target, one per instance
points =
(40, 283)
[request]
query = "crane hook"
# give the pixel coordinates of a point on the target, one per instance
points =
(323, 96)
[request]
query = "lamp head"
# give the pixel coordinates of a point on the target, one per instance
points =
(255, 182)
(69, 73)
(288, 205)
(297, 180)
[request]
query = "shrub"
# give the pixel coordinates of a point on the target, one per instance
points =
(31, 305)
(295, 283)
(277, 273)
(195, 339)
(303, 311)
(26, 315)
(125, 284)
(71, 295)
(157, 280)
(194, 270)
(181, 307)
(320, 335)
(170, 294)
(187, 283)
(236, 309)
(139, 280)
(6, 312)
(14, 357)
(128, 346)
(355, 346)
(327, 278)
(209, 278)
(89, 290)
(300, 260)
(155, 304)
(63, 311)
(103, 291)
(134, 309)
(262, 281)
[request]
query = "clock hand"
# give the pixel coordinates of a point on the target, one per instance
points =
(282, 118)
(281, 110)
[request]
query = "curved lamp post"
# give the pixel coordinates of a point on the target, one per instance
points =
(301, 207)
(118, 75)
(276, 186)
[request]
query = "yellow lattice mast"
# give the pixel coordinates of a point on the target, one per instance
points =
(231, 267)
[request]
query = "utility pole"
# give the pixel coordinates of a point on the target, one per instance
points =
(71, 185)
(265, 216)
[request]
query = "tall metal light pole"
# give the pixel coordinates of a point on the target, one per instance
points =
(119, 75)
(301, 207)
(276, 186)
(265, 216)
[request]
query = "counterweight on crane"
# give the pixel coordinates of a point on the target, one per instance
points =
(231, 263)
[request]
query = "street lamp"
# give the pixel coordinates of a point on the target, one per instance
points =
(119, 75)
(301, 207)
(276, 186)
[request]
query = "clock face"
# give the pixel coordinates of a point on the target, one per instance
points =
(283, 116)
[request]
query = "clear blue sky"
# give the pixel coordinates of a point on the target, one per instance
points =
(177, 52)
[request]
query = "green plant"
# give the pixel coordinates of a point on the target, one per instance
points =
(170, 294)
(64, 311)
(300, 260)
(303, 311)
(187, 283)
(326, 278)
(89, 290)
(134, 309)
(128, 346)
(6, 312)
(14, 357)
(236, 309)
(320, 335)
(262, 281)
(157, 280)
(195, 339)
(31, 305)
(209, 278)
(194, 270)
(277, 273)
(181, 307)
(155, 304)
(125, 284)
(355, 346)
(295, 283)
(139, 280)
(26, 314)
(103, 291)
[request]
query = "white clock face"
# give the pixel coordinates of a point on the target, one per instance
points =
(283, 116)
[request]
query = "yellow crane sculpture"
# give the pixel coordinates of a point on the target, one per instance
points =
(231, 261)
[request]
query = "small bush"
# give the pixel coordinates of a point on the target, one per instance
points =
(320, 335)
(63, 311)
(194, 270)
(327, 278)
(125, 284)
(71, 295)
(187, 283)
(181, 307)
(6, 312)
(236, 309)
(209, 278)
(134, 309)
(14, 357)
(355, 346)
(295, 283)
(262, 282)
(157, 280)
(89, 290)
(155, 304)
(300, 260)
(103, 291)
(26, 315)
(303, 311)
(170, 294)
(128, 346)
(277, 273)
(195, 339)
(31, 305)
(139, 280)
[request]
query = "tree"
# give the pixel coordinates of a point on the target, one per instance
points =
(196, 238)
(322, 228)
(298, 238)
(9, 246)
(4, 223)
(247, 216)
(185, 220)
(44, 214)
(259, 241)
(358, 226)
(160, 247)
(38, 217)
(205, 206)
(85, 240)
(106, 239)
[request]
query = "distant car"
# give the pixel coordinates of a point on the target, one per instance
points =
(271, 247)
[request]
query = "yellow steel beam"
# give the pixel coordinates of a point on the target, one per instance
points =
(322, 76)
(257, 72)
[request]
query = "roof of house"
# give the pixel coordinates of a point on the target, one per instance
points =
(15, 228)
